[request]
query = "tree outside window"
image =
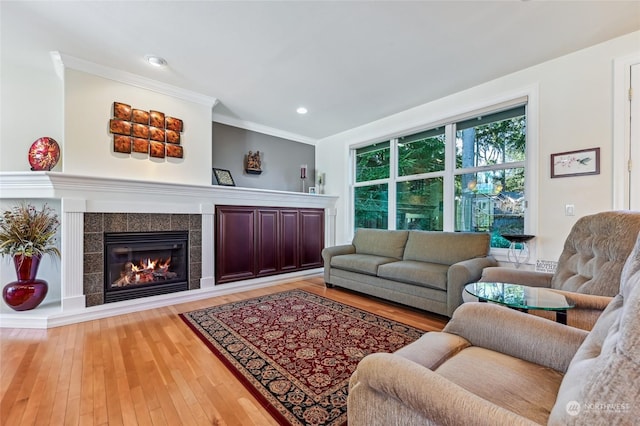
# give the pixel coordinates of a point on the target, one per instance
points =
(405, 177)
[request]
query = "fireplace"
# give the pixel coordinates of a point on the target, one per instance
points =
(142, 264)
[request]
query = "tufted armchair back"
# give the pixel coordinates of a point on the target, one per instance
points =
(595, 252)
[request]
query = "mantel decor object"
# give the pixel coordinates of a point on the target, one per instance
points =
(44, 154)
(222, 177)
(27, 234)
(254, 163)
(303, 175)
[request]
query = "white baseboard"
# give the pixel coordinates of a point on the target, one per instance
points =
(52, 316)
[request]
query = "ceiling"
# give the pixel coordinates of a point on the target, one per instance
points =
(347, 62)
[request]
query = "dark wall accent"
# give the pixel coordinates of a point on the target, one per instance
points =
(281, 158)
(96, 224)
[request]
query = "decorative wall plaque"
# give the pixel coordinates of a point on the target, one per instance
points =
(145, 132)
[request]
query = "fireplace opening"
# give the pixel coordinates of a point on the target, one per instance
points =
(142, 264)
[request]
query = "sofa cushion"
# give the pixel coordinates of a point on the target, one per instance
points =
(446, 248)
(419, 273)
(517, 385)
(364, 263)
(380, 242)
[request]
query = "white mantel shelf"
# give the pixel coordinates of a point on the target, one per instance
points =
(83, 194)
(56, 185)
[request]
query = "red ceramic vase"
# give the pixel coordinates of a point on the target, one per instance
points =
(28, 292)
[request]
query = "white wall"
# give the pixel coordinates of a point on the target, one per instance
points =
(35, 102)
(88, 145)
(30, 108)
(575, 112)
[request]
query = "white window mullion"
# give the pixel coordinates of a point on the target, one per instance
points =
(448, 222)
(393, 176)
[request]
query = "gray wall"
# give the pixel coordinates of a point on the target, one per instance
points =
(281, 158)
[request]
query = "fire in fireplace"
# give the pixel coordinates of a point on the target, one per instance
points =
(142, 264)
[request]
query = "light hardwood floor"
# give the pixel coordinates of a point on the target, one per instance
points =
(144, 368)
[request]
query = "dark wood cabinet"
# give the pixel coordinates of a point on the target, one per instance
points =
(289, 236)
(260, 241)
(312, 238)
(266, 251)
(235, 250)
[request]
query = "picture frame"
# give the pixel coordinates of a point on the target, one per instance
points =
(156, 149)
(172, 123)
(140, 145)
(121, 111)
(312, 190)
(156, 134)
(140, 116)
(575, 163)
(174, 151)
(122, 144)
(156, 119)
(172, 136)
(140, 131)
(223, 177)
(119, 127)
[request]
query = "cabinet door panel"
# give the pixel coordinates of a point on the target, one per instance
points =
(235, 249)
(311, 238)
(267, 242)
(289, 239)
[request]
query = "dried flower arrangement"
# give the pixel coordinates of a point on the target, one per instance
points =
(27, 231)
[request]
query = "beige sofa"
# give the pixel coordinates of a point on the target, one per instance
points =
(496, 366)
(589, 266)
(422, 269)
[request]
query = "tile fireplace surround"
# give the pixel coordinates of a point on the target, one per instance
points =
(80, 197)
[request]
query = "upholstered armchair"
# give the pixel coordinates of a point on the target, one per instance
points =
(589, 266)
(495, 366)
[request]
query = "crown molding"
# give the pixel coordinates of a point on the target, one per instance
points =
(62, 61)
(255, 127)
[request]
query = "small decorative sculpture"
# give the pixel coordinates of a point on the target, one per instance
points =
(254, 163)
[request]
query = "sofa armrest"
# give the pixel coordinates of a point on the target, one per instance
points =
(390, 379)
(502, 274)
(329, 252)
(462, 273)
(518, 334)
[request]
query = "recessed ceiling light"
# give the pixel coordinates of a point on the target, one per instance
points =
(301, 110)
(156, 61)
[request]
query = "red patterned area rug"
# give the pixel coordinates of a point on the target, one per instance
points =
(295, 350)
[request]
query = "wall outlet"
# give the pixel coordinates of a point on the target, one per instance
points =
(569, 210)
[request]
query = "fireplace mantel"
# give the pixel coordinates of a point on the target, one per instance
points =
(95, 190)
(85, 194)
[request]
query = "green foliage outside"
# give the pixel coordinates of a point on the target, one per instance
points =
(493, 143)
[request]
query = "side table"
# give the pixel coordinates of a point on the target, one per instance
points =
(518, 248)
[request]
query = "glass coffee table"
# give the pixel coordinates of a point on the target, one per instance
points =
(522, 298)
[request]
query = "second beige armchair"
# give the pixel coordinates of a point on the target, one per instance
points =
(589, 266)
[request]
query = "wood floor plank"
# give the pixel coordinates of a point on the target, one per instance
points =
(144, 368)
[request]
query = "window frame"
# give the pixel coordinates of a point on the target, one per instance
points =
(527, 97)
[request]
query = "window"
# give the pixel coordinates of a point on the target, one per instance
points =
(464, 175)
(371, 198)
